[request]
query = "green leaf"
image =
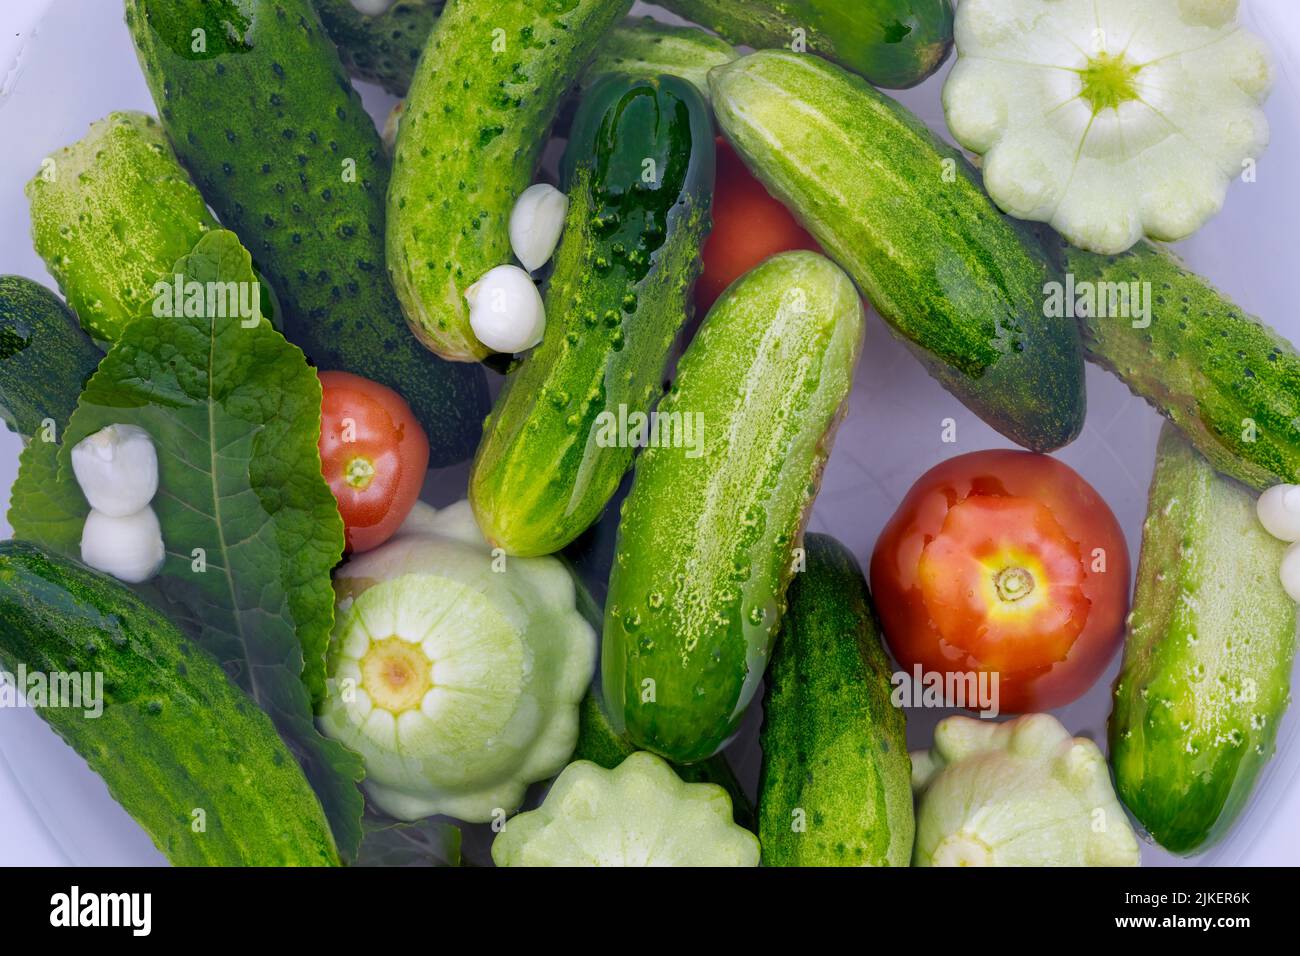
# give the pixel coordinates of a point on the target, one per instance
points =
(42, 509)
(251, 529)
(422, 843)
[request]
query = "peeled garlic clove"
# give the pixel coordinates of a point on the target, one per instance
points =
(505, 310)
(1279, 512)
(1290, 572)
(536, 223)
(117, 469)
(130, 547)
(391, 125)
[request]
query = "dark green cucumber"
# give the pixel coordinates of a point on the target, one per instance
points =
(905, 215)
(616, 300)
(600, 743)
(487, 89)
(1207, 660)
(187, 754)
(266, 120)
(45, 358)
(836, 783)
(893, 43)
(111, 214)
(708, 532)
(642, 46)
(385, 48)
(1228, 381)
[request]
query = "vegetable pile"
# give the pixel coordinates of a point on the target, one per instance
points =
(230, 424)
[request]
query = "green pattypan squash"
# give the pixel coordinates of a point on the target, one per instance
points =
(638, 814)
(1109, 118)
(1020, 793)
(455, 672)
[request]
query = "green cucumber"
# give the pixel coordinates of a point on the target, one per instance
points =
(1228, 381)
(546, 467)
(642, 46)
(836, 783)
(705, 546)
(1207, 660)
(487, 89)
(266, 120)
(111, 214)
(905, 215)
(384, 48)
(45, 358)
(893, 43)
(187, 754)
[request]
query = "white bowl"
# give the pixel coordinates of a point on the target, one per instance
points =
(77, 64)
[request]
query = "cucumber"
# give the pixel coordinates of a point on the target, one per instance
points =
(1207, 660)
(1228, 381)
(486, 91)
(836, 783)
(268, 123)
(545, 468)
(45, 358)
(893, 43)
(383, 49)
(111, 214)
(642, 46)
(705, 546)
(191, 758)
(605, 747)
(904, 214)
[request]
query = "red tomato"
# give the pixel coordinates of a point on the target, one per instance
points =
(1006, 562)
(374, 455)
(748, 227)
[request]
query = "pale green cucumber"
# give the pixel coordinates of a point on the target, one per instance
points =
(905, 215)
(642, 46)
(708, 531)
(1207, 663)
(484, 96)
(111, 214)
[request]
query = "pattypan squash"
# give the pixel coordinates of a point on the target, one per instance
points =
(1020, 793)
(1109, 118)
(455, 673)
(638, 814)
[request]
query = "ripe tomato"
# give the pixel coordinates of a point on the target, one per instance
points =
(374, 455)
(748, 227)
(1006, 562)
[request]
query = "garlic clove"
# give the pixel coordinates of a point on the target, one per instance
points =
(505, 310)
(1279, 512)
(129, 547)
(372, 8)
(117, 469)
(536, 223)
(1290, 572)
(392, 124)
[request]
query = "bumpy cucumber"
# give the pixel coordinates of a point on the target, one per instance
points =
(1228, 381)
(893, 43)
(383, 48)
(180, 747)
(645, 47)
(111, 214)
(619, 294)
(1207, 661)
(957, 282)
(45, 358)
(836, 784)
(486, 91)
(706, 540)
(266, 119)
